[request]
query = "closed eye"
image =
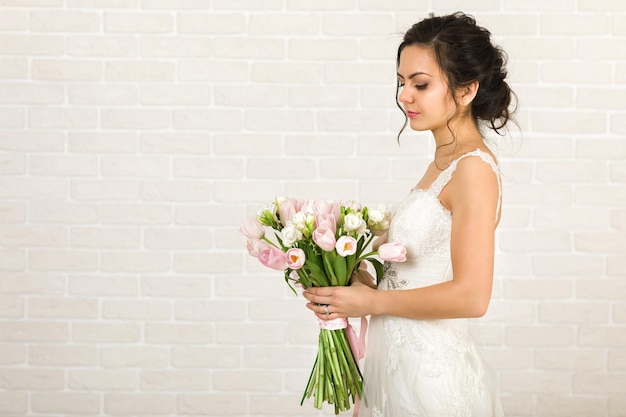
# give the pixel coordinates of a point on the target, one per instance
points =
(418, 86)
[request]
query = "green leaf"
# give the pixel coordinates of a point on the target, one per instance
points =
(280, 242)
(316, 274)
(315, 265)
(350, 265)
(341, 270)
(303, 277)
(378, 266)
(359, 244)
(328, 266)
(288, 279)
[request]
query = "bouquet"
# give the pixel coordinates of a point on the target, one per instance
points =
(320, 243)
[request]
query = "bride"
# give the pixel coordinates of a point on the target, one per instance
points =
(421, 360)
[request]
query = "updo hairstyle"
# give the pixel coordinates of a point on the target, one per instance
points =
(465, 54)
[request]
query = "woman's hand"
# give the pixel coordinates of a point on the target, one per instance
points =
(357, 300)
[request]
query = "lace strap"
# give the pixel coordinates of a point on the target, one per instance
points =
(446, 175)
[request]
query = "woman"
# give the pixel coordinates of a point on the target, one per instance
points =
(421, 360)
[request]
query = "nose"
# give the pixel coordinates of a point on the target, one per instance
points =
(404, 95)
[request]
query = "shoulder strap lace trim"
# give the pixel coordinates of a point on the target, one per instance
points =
(446, 175)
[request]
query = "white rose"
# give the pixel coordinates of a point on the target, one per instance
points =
(375, 216)
(379, 220)
(290, 235)
(299, 220)
(354, 222)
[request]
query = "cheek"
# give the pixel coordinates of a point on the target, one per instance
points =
(445, 103)
(433, 103)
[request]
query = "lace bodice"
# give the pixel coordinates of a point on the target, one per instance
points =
(422, 224)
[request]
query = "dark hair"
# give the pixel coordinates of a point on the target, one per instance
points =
(465, 54)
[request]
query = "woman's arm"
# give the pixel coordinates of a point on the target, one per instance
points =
(472, 197)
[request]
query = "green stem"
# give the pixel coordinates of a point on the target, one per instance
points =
(362, 257)
(344, 360)
(352, 367)
(334, 362)
(369, 239)
(343, 366)
(319, 395)
(335, 377)
(311, 383)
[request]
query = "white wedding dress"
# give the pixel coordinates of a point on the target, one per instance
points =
(425, 368)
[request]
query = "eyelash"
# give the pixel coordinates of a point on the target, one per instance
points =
(418, 86)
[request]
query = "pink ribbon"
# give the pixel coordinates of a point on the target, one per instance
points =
(357, 343)
(358, 348)
(334, 324)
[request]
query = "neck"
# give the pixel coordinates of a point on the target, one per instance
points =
(458, 137)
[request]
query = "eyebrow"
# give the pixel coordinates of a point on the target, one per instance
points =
(415, 74)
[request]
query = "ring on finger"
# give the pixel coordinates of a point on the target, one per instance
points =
(326, 309)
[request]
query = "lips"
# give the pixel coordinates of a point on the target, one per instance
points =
(411, 114)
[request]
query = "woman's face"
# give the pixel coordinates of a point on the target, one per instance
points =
(423, 89)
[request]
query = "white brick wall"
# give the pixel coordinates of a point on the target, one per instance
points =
(135, 135)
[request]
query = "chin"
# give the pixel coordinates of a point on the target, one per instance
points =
(418, 127)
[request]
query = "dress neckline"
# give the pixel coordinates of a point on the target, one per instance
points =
(442, 179)
(455, 161)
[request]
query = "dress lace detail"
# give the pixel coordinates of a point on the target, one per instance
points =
(376, 412)
(390, 278)
(425, 368)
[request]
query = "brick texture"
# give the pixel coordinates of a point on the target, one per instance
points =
(135, 136)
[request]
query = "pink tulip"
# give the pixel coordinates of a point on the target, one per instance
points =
(324, 238)
(252, 228)
(295, 258)
(346, 245)
(286, 210)
(337, 211)
(305, 206)
(274, 258)
(321, 207)
(255, 247)
(392, 252)
(352, 204)
(326, 221)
